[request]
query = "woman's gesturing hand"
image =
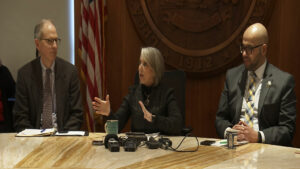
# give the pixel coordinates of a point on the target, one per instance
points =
(147, 114)
(102, 106)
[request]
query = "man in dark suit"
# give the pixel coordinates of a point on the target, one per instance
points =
(47, 91)
(258, 99)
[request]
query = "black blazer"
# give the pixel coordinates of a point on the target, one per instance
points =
(162, 104)
(29, 96)
(276, 107)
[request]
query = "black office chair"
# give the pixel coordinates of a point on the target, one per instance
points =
(175, 79)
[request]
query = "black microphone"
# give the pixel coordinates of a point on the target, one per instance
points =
(111, 142)
(152, 143)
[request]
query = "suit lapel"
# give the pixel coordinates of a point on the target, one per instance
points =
(240, 94)
(37, 85)
(265, 86)
(59, 90)
(139, 96)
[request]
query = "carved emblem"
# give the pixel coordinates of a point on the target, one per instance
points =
(198, 36)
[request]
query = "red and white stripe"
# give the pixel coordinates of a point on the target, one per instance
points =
(91, 51)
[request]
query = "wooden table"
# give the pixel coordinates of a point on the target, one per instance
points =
(78, 152)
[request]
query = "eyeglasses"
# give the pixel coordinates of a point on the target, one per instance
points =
(51, 41)
(248, 49)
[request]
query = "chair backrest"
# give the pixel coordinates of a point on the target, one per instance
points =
(174, 79)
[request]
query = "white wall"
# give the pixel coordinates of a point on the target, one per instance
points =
(17, 21)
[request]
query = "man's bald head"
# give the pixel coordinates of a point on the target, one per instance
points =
(38, 29)
(254, 46)
(257, 33)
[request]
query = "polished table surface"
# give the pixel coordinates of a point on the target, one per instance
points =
(78, 152)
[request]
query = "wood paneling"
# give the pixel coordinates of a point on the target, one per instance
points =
(284, 47)
(123, 51)
(202, 94)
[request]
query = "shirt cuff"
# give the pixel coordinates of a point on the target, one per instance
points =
(262, 136)
(225, 132)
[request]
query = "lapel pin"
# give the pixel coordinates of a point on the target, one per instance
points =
(269, 83)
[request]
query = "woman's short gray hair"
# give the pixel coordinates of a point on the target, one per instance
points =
(153, 57)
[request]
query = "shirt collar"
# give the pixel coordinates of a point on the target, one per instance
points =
(45, 68)
(260, 71)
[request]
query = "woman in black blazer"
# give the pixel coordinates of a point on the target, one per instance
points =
(151, 105)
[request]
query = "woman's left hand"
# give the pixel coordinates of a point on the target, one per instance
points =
(147, 114)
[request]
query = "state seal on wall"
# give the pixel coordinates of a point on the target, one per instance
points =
(198, 36)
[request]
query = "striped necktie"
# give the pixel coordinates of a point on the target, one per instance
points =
(48, 102)
(250, 100)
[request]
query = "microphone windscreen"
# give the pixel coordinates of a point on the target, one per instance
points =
(109, 136)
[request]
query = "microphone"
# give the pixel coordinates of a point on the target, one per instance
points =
(111, 142)
(153, 144)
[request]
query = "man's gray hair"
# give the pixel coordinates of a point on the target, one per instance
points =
(153, 57)
(38, 28)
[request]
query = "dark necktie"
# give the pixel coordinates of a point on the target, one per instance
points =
(47, 102)
(250, 100)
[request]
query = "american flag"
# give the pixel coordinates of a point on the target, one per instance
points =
(92, 53)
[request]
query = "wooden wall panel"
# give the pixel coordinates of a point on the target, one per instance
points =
(202, 98)
(202, 94)
(284, 47)
(123, 51)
